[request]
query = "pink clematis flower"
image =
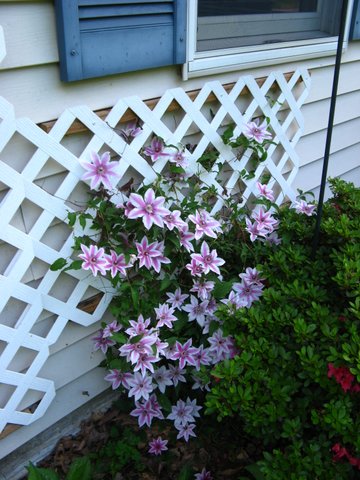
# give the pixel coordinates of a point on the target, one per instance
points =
(111, 328)
(185, 238)
(144, 412)
(201, 357)
(184, 353)
(205, 224)
(116, 263)
(165, 316)
(179, 159)
(131, 131)
(161, 347)
(176, 299)
(156, 406)
(117, 378)
(173, 220)
(203, 475)
(145, 362)
(139, 327)
(254, 131)
(265, 222)
(157, 261)
(200, 384)
(251, 275)
(101, 342)
(250, 292)
(186, 431)
(196, 310)
(156, 149)
(141, 386)
(181, 414)
(157, 446)
(176, 374)
(149, 208)
(147, 253)
(273, 239)
(93, 259)
(162, 378)
(265, 191)
(253, 229)
(304, 207)
(219, 345)
(208, 259)
(196, 268)
(100, 170)
(234, 299)
(133, 351)
(203, 289)
(194, 406)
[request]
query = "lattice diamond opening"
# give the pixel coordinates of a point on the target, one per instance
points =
(17, 152)
(40, 182)
(22, 360)
(12, 312)
(26, 216)
(7, 255)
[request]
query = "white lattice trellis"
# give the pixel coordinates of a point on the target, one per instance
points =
(20, 186)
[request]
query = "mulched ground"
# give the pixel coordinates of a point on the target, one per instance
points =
(220, 447)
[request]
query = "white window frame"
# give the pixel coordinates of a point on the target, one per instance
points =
(240, 58)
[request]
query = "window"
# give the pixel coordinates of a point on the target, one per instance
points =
(232, 34)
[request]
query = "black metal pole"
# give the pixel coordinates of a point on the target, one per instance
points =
(330, 125)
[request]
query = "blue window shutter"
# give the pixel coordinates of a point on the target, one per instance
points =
(355, 22)
(103, 37)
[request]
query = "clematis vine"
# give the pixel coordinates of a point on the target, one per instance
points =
(159, 247)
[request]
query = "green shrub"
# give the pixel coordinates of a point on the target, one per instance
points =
(294, 384)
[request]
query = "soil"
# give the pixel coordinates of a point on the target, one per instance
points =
(219, 447)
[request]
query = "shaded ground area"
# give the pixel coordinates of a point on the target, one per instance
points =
(118, 450)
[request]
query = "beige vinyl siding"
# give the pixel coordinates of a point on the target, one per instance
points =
(29, 79)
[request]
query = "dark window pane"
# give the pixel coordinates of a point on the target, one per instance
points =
(208, 8)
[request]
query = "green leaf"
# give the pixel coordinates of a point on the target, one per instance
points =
(36, 473)
(80, 470)
(135, 339)
(72, 218)
(119, 337)
(222, 289)
(255, 472)
(82, 220)
(165, 282)
(186, 473)
(135, 297)
(164, 402)
(228, 133)
(58, 264)
(75, 265)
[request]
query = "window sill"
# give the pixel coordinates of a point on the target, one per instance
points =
(222, 61)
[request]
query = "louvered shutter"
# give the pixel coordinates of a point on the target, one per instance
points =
(103, 37)
(355, 21)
